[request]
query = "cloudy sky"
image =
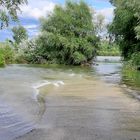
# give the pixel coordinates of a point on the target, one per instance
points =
(35, 9)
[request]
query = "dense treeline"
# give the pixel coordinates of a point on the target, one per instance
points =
(70, 34)
(67, 36)
(126, 28)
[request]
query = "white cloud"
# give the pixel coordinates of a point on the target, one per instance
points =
(40, 8)
(37, 9)
(31, 26)
(107, 13)
(32, 29)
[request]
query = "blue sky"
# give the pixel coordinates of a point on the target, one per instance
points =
(35, 9)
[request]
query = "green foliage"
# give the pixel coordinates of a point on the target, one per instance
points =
(137, 29)
(2, 62)
(68, 35)
(126, 26)
(135, 60)
(19, 34)
(6, 54)
(9, 10)
(107, 49)
(130, 76)
(78, 57)
(28, 52)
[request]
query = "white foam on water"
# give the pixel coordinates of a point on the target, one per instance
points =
(61, 82)
(44, 83)
(41, 84)
(56, 84)
(37, 86)
(35, 94)
(72, 74)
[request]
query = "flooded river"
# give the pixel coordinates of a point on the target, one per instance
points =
(69, 103)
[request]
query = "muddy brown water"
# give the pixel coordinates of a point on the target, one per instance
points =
(68, 103)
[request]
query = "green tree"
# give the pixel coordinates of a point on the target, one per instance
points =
(6, 54)
(19, 34)
(126, 26)
(68, 35)
(9, 10)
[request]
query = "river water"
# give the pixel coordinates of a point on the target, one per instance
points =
(24, 90)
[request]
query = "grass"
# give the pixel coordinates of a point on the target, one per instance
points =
(107, 49)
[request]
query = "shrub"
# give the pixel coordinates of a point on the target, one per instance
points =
(106, 49)
(28, 52)
(6, 54)
(134, 62)
(2, 62)
(135, 59)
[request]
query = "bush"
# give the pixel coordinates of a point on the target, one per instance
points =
(2, 62)
(134, 62)
(106, 49)
(6, 54)
(28, 52)
(78, 58)
(56, 48)
(135, 59)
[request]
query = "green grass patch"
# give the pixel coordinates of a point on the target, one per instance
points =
(106, 49)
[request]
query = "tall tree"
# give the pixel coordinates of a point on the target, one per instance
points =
(19, 34)
(126, 25)
(68, 35)
(9, 10)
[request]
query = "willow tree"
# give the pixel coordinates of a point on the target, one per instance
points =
(68, 35)
(9, 11)
(126, 25)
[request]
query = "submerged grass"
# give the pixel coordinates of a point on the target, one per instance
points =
(131, 76)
